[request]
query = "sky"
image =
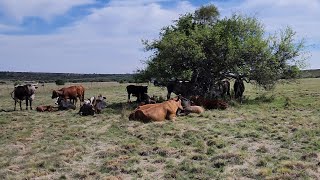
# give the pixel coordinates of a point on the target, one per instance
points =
(105, 36)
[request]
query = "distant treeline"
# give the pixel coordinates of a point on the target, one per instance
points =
(67, 77)
(312, 73)
(76, 78)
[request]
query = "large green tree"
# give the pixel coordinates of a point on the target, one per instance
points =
(204, 49)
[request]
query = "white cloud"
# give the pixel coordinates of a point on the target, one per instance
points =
(134, 2)
(45, 9)
(106, 41)
(7, 28)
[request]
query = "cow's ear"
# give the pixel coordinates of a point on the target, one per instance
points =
(178, 97)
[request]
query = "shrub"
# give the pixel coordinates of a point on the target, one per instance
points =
(17, 83)
(60, 82)
(122, 81)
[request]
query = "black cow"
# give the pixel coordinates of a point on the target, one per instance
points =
(64, 104)
(137, 91)
(24, 92)
(238, 88)
(86, 109)
(93, 105)
(98, 103)
(184, 88)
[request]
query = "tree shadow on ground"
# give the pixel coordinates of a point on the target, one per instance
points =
(121, 107)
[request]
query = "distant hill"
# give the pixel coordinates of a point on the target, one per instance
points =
(67, 77)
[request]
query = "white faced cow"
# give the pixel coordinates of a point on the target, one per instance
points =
(24, 92)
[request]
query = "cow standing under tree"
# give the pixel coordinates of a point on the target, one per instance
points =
(24, 92)
(224, 88)
(238, 88)
(183, 88)
(137, 91)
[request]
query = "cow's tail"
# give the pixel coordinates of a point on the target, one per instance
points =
(12, 95)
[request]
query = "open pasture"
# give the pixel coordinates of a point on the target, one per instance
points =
(273, 135)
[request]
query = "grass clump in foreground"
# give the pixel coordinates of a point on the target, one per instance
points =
(273, 135)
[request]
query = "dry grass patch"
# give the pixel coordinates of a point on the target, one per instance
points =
(273, 135)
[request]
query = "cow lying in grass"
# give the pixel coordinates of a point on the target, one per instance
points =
(44, 108)
(209, 103)
(157, 112)
(193, 109)
(188, 107)
(93, 105)
(64, 104)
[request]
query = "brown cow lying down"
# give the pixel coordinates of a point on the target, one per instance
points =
(209, 103)
(157, 112)
(44, 108)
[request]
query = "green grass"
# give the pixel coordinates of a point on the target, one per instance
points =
(272, 135)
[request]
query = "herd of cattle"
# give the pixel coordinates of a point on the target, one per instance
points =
(149, 109)
(66, 98)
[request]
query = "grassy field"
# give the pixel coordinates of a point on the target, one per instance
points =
(272, 135)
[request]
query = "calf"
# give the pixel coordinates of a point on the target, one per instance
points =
(86, 109)
(64, 104)
(194, 109)
(44, 108)
(24, 92)
(93, 105)
(137, 91)
(99, 103)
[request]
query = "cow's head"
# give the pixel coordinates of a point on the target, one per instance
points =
(185, 102)
(177, 102)
(145, 89)
(55, 94)
(57, 100)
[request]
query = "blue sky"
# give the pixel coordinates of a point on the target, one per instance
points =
(104, 36)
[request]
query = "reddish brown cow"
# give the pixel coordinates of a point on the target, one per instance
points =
(209, 103)
(72, 93)
(44, 108)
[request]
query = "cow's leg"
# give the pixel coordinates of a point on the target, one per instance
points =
(20, 105)
(128, 97)
(30, 101)
(75, 102)
(15, 104)
(27, 103)
(172, 117)
(82, 98)
(168, 95)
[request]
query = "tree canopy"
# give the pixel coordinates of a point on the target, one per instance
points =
(204, 49)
